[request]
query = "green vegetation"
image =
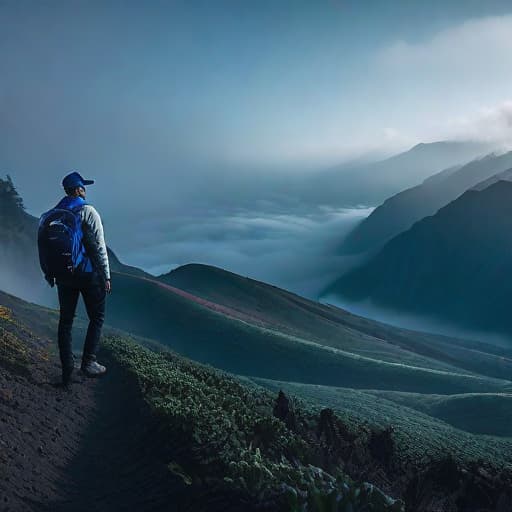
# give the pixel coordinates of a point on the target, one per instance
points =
(5, 313)
(245, 348)
(11, 204)
(480, 413)
(419, 436)
(232, 438)
(13, 351)
(43, 321)
(324, 324)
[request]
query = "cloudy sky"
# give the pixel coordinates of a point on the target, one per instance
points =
(181, 108)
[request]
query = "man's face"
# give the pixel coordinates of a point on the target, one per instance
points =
(81, 192)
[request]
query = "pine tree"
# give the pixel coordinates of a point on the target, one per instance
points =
(11, 204)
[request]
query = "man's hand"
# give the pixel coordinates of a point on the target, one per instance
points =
(50, 280)
(108, 286)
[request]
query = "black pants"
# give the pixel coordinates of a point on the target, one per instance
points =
(92, 288)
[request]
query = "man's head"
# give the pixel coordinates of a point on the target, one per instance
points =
(75, 191)
(74, 184)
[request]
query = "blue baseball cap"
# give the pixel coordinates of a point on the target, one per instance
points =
(74, 179)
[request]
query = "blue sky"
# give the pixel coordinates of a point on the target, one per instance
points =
(155, 99)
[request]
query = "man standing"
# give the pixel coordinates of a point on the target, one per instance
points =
(73, 255)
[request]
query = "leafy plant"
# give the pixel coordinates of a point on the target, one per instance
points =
(231, 435)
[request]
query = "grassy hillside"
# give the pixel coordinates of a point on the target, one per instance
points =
(228, 435)
(423, 422)
(243, 345)
(480, 413)
(335, 327)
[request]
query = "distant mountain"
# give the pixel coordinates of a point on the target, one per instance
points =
(455, 265)
(502, 176)
(402, 210)
(372, 183)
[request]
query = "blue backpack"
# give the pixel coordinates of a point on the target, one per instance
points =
(60, 240)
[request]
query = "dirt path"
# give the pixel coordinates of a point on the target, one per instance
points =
(41, 429)
(119, 465)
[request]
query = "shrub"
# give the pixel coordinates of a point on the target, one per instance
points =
(233, 437)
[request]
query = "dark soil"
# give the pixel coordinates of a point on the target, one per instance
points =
(41, 427)
(118, 464)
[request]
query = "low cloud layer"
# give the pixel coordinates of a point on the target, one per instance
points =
(294, 251)
(423, 323)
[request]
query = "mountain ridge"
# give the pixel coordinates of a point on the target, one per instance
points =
(372, 183)
(450, 264)
(400, 211)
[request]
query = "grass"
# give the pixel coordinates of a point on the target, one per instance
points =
(5, 314)
(240, 347)
(479, 413)
(14, 353)
(419, 435)
(335, 327)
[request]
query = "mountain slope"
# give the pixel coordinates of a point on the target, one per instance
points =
(224, 338)
(419, 419)
(401, 211)
(485, 413)
(332, 326)
(453, 265)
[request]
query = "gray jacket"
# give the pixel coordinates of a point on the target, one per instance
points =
(94, 239)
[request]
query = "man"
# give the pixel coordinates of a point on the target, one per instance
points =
(91, 279)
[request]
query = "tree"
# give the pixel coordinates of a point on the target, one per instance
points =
(10, 201)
